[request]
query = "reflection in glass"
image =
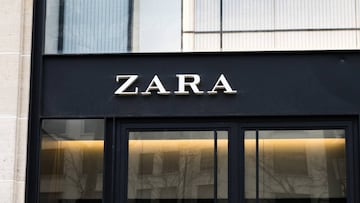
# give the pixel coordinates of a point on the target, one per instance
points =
(250, 165)
(156, 26)
(126, 26)
(296, 166)
(179, 166)
(222, 166)
(71, 161)
(112, 26)
(87, 26)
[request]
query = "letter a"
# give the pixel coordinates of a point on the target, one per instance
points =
(156, 84)
(222, 84)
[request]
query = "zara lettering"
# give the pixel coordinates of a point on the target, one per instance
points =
(186, 82)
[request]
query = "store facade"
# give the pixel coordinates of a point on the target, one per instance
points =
(145, 126)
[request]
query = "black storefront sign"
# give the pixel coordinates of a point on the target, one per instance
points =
(267, 84)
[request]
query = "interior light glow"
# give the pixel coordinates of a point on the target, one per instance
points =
(198, 143)
(293, 144)
(74, 144)
(171, 145)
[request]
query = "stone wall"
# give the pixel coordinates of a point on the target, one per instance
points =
(15, 48)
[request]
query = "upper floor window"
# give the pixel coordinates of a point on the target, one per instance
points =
(127, 26)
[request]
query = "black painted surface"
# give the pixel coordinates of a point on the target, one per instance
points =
(289, 200)
(299, 200)
(177, 201)
(307, 83)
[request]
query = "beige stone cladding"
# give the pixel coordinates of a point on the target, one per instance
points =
(15, 48)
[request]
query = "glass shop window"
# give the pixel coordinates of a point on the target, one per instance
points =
(71, 161)
(295, 166)
(127, 26)
(176, 174)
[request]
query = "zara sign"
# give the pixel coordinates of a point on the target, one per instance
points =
(186, 82)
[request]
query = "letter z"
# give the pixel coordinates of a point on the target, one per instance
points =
(130, 79)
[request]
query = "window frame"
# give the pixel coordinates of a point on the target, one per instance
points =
(116, 152)
(351, 155)
(123, 130)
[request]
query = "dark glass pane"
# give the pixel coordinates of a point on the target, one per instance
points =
(170, 162)
(52, 161)
(207, 159)
(71, 162)
(176, 170)
(222, 166)
(54, 126)
(146, 161)
(299, 166)
(250, 166)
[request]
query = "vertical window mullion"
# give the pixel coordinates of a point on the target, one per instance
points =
(182, 27)
(257, 165)
(130, 26)
(349, 163)
(221, 25)
(61, 21)
(216, 168)
(109, 159)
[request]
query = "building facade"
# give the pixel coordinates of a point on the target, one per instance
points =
(180, 101)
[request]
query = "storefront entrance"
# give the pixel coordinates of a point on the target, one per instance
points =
(171, 161)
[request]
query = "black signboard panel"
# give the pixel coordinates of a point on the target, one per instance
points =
(303, 83)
